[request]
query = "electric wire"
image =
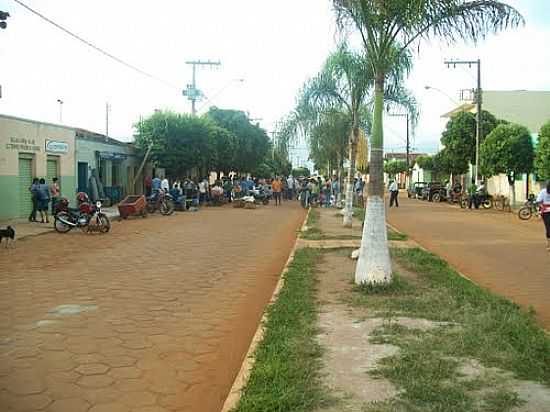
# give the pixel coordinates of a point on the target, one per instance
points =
(93, 46)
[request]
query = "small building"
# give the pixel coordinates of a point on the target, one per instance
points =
(31, 149)
(525, 107)
(402, 177)
(112, 163)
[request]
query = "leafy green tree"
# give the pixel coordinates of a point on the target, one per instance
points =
(507, 149)
(180, 142)
(459, 139)
(388, 29)
(395, 167)
(542, 159)
(224, 145)
(425, 162)
(251, 141)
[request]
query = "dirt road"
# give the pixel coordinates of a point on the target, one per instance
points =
(495, 249)
(155, 316)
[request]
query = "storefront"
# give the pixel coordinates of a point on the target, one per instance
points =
(31, 149)
(106, 167)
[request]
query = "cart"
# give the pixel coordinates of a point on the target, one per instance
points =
(133, 206)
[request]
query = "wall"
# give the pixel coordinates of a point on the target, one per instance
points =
(27, 136)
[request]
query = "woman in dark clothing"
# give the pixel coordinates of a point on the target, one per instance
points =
(34, 193)
(43, 197)
(543, 200)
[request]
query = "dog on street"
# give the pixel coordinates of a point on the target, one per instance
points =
(9, 234)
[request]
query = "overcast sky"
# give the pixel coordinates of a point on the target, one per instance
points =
(273, 45)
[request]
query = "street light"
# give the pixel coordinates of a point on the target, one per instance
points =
(443, 93)
(60, 110)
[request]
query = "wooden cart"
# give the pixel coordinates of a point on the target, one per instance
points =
(133, 205)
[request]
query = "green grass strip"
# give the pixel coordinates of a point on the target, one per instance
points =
(286, 374)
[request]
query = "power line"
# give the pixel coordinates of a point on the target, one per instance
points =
(89, 44)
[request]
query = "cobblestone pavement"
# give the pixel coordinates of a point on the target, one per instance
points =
(155, 316)
(494, 249)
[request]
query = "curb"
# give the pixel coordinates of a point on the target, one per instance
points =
(241, 380)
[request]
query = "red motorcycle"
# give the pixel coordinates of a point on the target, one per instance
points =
(88, 217)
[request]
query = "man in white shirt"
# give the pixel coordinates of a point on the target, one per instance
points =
(164, 185)
(394, 192)
(290, 186)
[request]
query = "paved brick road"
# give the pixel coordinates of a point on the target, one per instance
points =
(495, 249)
(155, 316)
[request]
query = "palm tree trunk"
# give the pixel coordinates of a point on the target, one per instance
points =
(348, 209)
(374, 265)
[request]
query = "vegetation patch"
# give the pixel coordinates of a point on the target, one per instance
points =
(312, 232)
(286, 374)
(480, 326)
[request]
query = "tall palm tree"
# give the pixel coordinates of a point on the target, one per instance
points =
(345, 82)
(388, 29)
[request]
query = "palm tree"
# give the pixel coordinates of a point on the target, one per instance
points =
(345, 83)
(388, 29)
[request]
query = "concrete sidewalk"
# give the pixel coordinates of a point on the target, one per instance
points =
(24, 228)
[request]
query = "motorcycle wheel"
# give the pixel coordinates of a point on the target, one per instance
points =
(103, 223)
(436, 197)
(151, 208)
(265, 201)
(464, 202)
(525, 213)
(167, 207)
(59, 226)
(487, 204)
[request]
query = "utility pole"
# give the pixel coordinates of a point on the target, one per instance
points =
(408, 147)
(478, 97)
(191, 91)
(107, 109)
(60, 110)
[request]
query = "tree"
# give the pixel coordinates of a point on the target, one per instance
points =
(344, 83)
(180, 142)
(459, 139)
(542, 159)
(224, 145)
(251, 141)
(395, 167)
(388, 29)
(507, 149)
(425, 162)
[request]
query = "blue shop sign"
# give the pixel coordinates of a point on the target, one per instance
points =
(56, 146)
(112, 156)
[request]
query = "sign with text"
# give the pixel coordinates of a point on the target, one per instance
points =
(22, 144)
(55, 146)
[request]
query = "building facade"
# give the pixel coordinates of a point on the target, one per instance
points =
(31, 149)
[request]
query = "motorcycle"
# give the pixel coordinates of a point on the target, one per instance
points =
(89, 218)
(530, 208)
(484, 200)
(259, 196)
(161, 201)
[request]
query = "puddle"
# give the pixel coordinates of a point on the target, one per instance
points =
(63, 310)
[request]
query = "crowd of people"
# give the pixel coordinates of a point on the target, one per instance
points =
(323, 190)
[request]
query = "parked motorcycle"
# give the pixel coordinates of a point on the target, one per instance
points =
(530, 208)
(260, 196)
(484, 200)
(162, 201)
(87, 217)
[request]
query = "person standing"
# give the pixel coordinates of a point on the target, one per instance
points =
(335, 189)
(327, 194)
(203, 189)
(277, 186)
(148, 185)
(544, 200)
(394, 193)
(43, 197)
(155, 185)
(472, 196)
(290, 187)
(54, 193)
(165, 185)
(34, 198)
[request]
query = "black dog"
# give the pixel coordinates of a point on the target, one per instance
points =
(8, 233)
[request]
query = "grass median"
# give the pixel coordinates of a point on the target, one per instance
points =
(476, 325)
(286, 373)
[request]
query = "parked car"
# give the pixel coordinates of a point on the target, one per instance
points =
(434, 192)
(416, 189)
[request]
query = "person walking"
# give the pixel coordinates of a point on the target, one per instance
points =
(54, 193)
(43, 197)
(544, 200)
(277, 187)
(290, 184)
(34, 198)
(394, 193)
